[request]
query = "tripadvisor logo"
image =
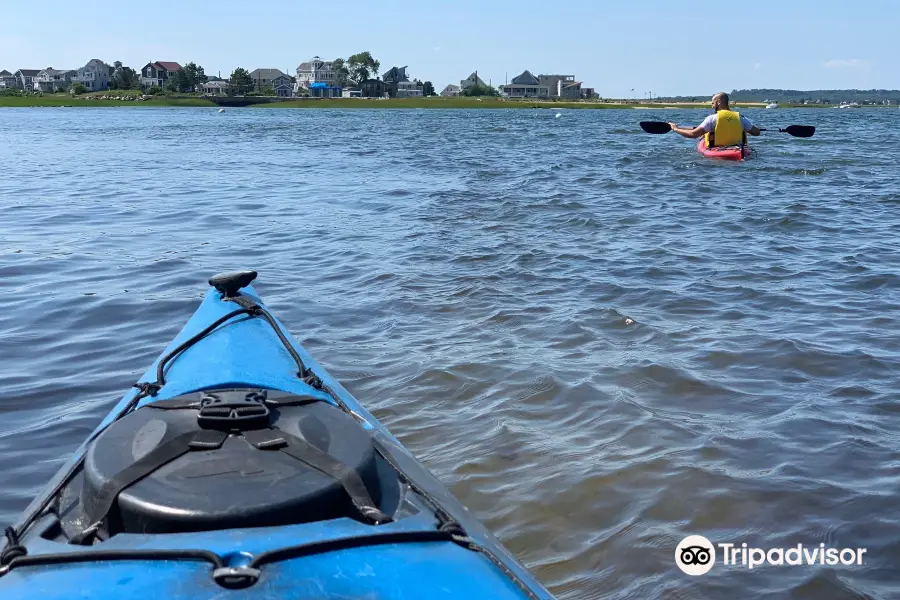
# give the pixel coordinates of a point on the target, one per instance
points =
(696, 555)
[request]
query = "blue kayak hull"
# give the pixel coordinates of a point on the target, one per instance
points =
(408, 557)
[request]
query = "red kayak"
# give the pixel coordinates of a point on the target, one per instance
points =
(723, 152)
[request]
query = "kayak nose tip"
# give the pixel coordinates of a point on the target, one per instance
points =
(229, 283)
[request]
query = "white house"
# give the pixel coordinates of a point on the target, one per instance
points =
(214, 88)
(318, 76)
(451, 90)
(526, 85)
(94, 75)
(52, 80)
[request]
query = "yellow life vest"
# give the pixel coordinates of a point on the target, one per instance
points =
(729, 131)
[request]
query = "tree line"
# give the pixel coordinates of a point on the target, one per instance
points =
(801, 96)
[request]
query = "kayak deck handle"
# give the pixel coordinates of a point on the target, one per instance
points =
(236, 578)
(229, 283)
(226, 412)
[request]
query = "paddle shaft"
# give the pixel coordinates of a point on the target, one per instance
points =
(661, 127)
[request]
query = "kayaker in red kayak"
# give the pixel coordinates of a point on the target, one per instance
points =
(724, 128)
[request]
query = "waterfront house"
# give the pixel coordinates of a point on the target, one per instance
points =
(561, 86)
(52, 80)
(312, 74)
(284, 86)
(410, 89)
(214, 88)
(588, 93)
(526, 85)
(8, 80)
(398, 84)
(470, 81)
(94, 75)
(373, 88)
(451, 90)
(156, 74)
(25, 78)
(282, 83)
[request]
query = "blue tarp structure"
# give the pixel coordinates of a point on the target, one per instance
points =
(318, 85)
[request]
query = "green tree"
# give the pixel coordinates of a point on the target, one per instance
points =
(342, 73)
(78, 89)
(240, 81)
(124, 78)
(362, 65)
(195, 74)
(428, 89)
(480, 90)
(187, 78)
(184, 80)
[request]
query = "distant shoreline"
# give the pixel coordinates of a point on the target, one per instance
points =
(433, 102)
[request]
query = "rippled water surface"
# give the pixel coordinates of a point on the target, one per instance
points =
(599, 340)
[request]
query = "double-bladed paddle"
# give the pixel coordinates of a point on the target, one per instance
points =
(801, 131)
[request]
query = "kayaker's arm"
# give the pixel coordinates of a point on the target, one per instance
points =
(749, 127)
(688, 133)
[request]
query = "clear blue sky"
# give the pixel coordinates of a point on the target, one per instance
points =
(668, 47)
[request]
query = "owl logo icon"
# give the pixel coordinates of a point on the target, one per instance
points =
(695, 555)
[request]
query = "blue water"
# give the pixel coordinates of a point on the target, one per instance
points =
(600, 341)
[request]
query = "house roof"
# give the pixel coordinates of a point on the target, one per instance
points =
(168, 65)
(308, 65)
(51, 71)
(5, 73)
(396, 74)
(526, 78)
(29, 72)
(265, 73)
(451, 87)
(217, 84)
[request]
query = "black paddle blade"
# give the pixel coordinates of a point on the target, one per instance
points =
(803, 131)
(655, 127)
